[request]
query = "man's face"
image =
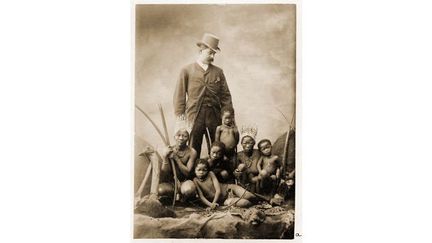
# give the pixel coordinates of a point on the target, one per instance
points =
(207, 56)
(215, 152)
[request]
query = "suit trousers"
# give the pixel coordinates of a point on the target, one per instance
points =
(209, 118)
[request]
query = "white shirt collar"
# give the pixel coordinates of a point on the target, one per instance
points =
(203, 65)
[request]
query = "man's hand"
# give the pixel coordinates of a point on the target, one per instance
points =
(182, 117)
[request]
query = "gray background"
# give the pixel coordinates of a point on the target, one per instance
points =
(257, 55)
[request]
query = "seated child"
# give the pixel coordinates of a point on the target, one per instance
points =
(218, 163)
(212, 193)
(247, 173)
(268, 165)
(227, 133)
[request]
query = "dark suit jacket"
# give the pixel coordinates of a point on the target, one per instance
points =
(194, 84)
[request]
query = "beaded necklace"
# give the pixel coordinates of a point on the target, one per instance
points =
(181, 153)
(248, 160)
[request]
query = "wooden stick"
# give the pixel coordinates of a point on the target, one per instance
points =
(231, 204)
(208, 140)
(285, 153)
(154, 125)
(144, 181)
(164, 124)
(171, 160)
(153, 162)
(286, 145)
(261, 196)
(282, 114)
(175, 181)
(209, 136)
(292, 120)
(155, 175)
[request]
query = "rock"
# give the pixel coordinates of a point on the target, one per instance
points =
(152, 207)
(217, 225)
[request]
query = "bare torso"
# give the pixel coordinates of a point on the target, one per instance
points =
(270, 164)
(183, 155)
(250, 161)
(208, 189)
(228, 137)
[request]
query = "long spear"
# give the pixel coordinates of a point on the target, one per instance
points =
(164, 124)
(171, 161)
(282, 114)
(165, 140)
(286, 144)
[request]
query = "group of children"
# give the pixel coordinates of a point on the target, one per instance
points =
(225, 177)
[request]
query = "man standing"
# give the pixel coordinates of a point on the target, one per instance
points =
(201, 92)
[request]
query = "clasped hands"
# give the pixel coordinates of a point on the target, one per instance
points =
(169, 152)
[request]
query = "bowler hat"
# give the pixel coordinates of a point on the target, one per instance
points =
(209, 40)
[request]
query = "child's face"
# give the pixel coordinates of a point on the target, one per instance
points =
(227, 118)
(266, 148)
(201, 171)
(248, 143)
(182, 137)
(215, 152)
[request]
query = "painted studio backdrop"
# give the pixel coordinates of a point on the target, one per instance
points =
(257, 55)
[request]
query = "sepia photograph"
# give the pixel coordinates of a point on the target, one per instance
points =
(157, 121)
(215, 121)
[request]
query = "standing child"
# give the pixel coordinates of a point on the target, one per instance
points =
(228, 134)
(268, 166)
(212, 193)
